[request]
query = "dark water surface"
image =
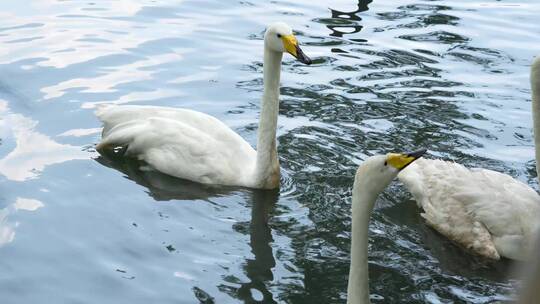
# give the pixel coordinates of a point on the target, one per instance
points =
(451, 76)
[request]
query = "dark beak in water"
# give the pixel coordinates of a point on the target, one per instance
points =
(301, 56)
(414, 155)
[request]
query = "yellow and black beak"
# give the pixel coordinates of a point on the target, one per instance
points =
(291, 46)
(401, 160)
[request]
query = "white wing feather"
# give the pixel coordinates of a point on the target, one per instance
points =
(180, 142)
(488, 212)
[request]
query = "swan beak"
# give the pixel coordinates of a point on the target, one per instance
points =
(402, 160)
(291, 46)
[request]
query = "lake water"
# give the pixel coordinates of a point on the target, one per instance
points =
(450, 76)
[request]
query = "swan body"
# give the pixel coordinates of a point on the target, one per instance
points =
(198, 147)
(487, 212)
(372, 177)
(180, 142)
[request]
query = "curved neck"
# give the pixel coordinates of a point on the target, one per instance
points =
(535, 88)
(267, 168)
(363, 201)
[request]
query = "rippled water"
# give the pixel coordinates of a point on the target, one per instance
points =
(75, 227)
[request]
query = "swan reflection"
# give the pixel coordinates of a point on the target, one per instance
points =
(161, 187)
(258, 268)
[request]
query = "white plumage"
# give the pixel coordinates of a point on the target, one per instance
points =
(198, 147)
(487, 212)
(180, 142)
(372, 177)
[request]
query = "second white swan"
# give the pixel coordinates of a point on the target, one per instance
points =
(198, 147)
(372, 177)
(487, 212)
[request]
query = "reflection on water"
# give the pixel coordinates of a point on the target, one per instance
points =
(33, 151)
(7, 228)
(451, 76)
(7, 231)
(161, 187)
(259, 268)
(450, 256)
(343, 23)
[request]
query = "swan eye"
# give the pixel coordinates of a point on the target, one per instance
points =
(279, 35)
(385, 163)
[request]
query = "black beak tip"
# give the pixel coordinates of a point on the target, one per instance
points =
(417, 154)
(302, 57)
(306, 60)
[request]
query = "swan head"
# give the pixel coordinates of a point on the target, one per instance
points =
(378, 171)
(279, 37)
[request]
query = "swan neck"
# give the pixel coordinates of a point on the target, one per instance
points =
(363, 201)
(535, 89)
(267, 168)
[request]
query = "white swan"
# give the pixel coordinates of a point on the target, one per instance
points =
(198, 147)
(487, 212)
(372, 177)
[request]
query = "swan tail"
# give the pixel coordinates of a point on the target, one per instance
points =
(107, 114)
(102, 110)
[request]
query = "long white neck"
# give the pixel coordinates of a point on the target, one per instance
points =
(267, 168)
(363, 201)
(535, 88)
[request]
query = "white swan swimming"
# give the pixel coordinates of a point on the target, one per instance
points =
(372, 177)
(198, 147)
(487, 212)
